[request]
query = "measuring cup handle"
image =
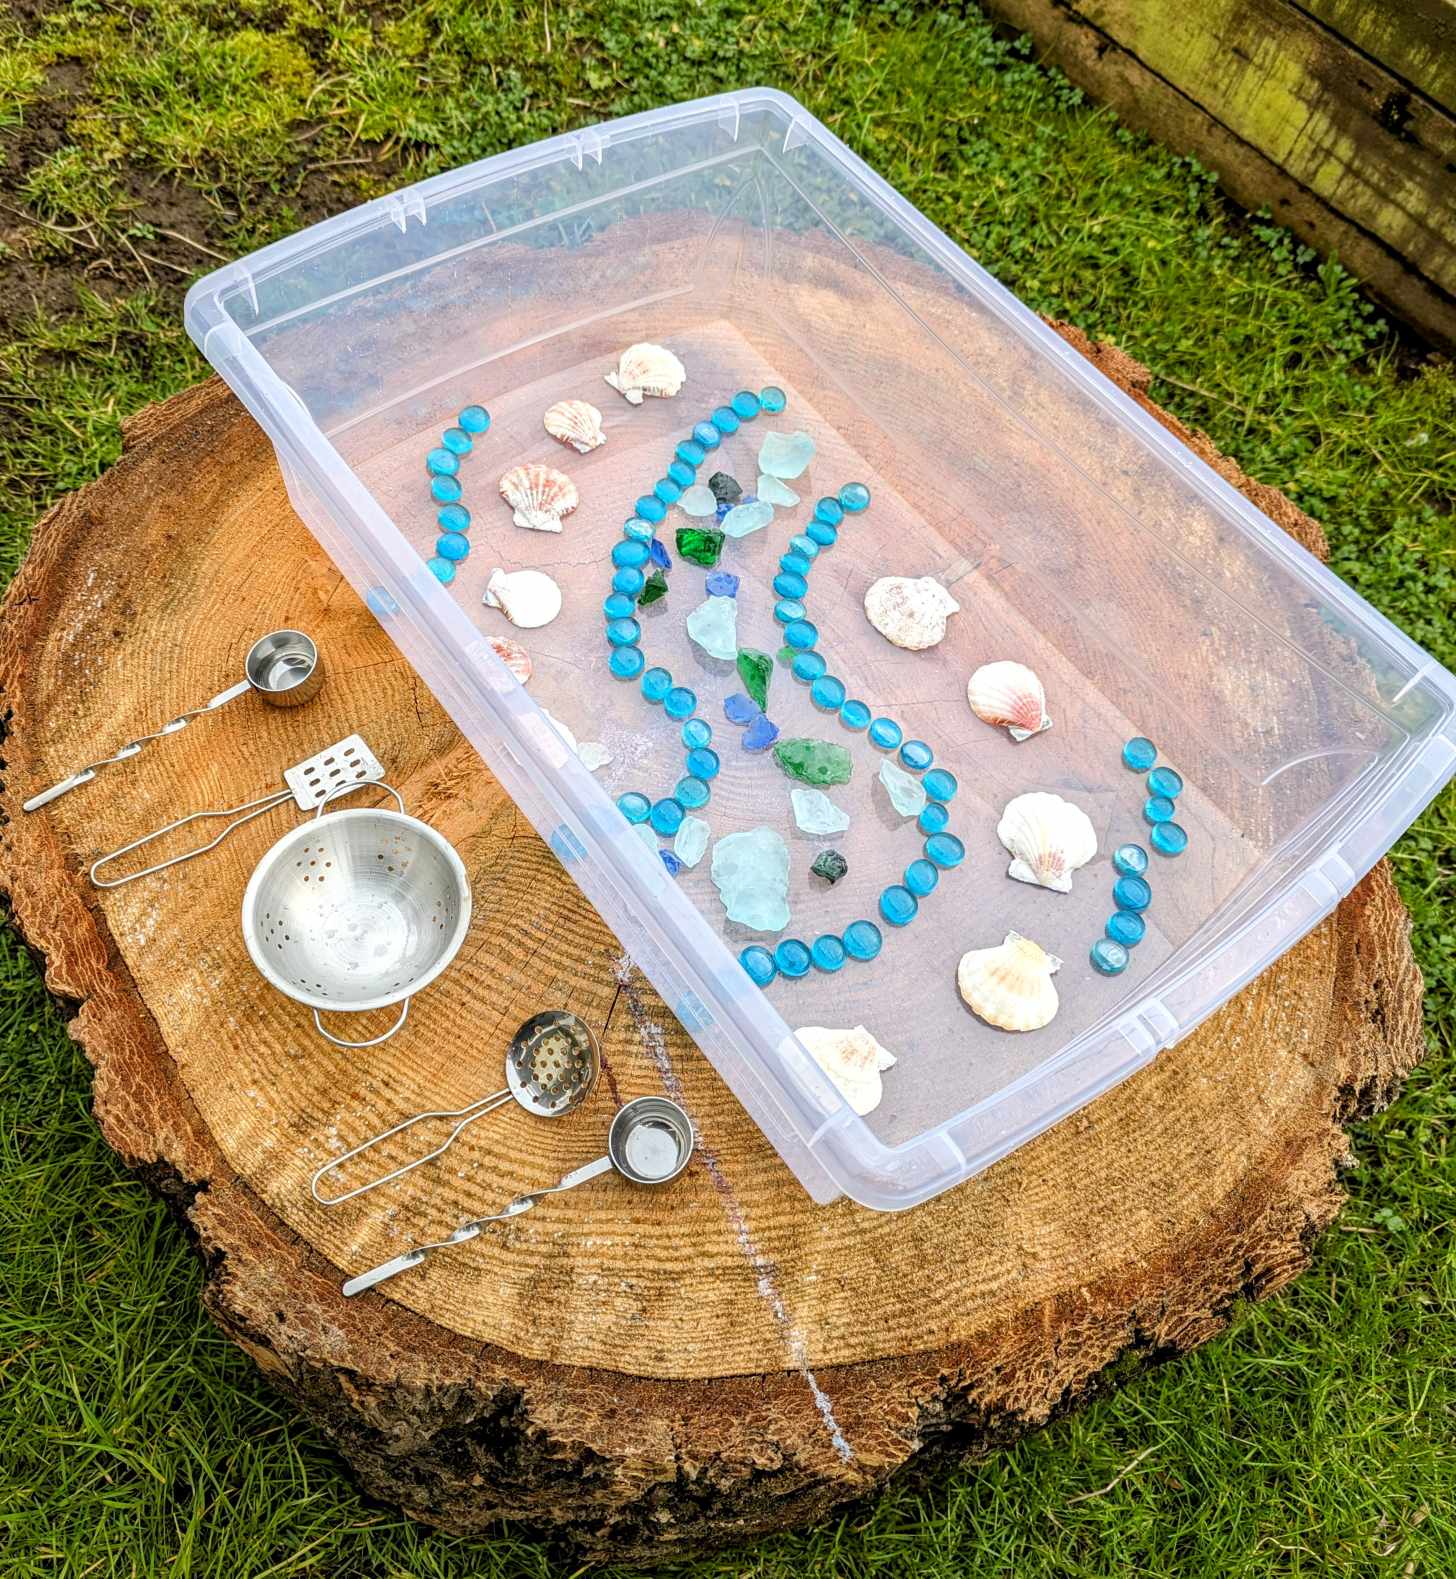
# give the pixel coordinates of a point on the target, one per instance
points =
(373, 1041)
(348, 789)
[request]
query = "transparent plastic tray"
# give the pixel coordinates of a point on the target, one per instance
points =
(1077, 536)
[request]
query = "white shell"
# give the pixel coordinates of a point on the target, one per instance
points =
(512, 655)
(646, 369)
(528, 598)
(910, 611)
(852, 1059)
(575, 422)
(1048, 837)
(1009, 694)
(1010, 987)
(540, 496)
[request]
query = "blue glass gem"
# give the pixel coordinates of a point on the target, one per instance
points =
(666, 817)
(445, 490)
(829, 510)
(808, 666)
(442, 462)
(624, 633)
(886, 733)
(626, 662)
(679, 702)
(916, 755)
(691, 792)
(854, 496)
(691, 453)
(1132, 893)
(760, 734)
(650, 508)
(667, 490)
(827, 692)
(630, 552)
(452, 545)
(933, 818)
(1165, 782)
(720, 511)
(1168, 838)
(702, 763)
(724, 419)
(787, 610)
(796, 564)
(634, 807)
(475, 419)
(862, 940)
(720, 584)
(659, 555)
(656, 683)
(854, 715)
(772, 398)
(792, 958)
(1158, 808)
(443, 570)
(759, 964)
(821, 534)
(1139, 754)
(939, 785)
(696, 732)
(671, 862)
(945, 849)
(745, 405)
(921, 877)
(827, 952)
(457, 441)
(801, 636)
(1130, 859)
(706, 436)
(787, 585)
(453, 517)
(681, 473)
(1126, 927)
(1108, 957)
(898, 905)
(740, 709)
(618, 606)
(638, 530)
(628, 580)
(799, 543)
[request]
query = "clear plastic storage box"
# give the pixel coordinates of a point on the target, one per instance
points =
(1077, 536)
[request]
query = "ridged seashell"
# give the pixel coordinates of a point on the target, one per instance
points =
(540, 496)
(577, 423)
(512, 655)
(1010, 987)
(1048, 837)
(646, 369)
(852, 1059)
(1011, 695)
(527, 598)
(910, 611)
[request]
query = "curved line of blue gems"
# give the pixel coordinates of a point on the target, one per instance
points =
(899, 902)
(1132, 893)
(443, 466)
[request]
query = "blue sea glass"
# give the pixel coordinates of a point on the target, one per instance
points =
(854, 496)
(886, 733)
(1158, 808)
(474, 419)
(772, 398)
(1168, 838)
(1130, 859)
(855, 715)
(1126, 927)
(720, 584)
(827, 692)
(1165, 782)
(671, 862)
(443, 570)
(759, 964)
(1108, 957)
(453, 517)
(1139, 753)
(1132, 893)
(635, 807)
(862, 940)
(939, 785)
(702, 763)
(921, 877)
(808, 666)
(898, 905)
(760, 734)
(945, 849)
(792, 958)
(452, 545)
(656, 683)
(740, 709)
(626, 662)
(658, 554)
(696, 732)
(915, 754)
(680, 702)
(445, 490)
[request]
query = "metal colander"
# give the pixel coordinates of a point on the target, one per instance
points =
(356, 911)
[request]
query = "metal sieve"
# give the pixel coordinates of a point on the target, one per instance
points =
(356, 911)
(551, 1067)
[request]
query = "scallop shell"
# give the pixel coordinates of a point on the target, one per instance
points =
(852, 1059)
(646, 369)
(540, 496)
(910, 611)
(1009, 694)
(512, 655)
(527, 598)
(575, 422)
(1010, 987)
(1048, 837)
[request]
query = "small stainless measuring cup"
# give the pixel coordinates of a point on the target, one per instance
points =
(650, 1143)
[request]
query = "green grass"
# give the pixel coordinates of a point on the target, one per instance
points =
(1317, 1437)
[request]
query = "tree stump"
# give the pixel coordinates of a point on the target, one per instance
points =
(636, 1373)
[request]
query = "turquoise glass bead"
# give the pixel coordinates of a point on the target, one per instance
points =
(618, 606)
(706, 436)
(789, 585)
(474, 419)
(921, 877)
(792, 958)
(916, 755)
(759, 964)
(854, 715)
(666, 817)
(1168, 838)
(630, 552)
(702, 763)
(691, 453)
(656, 683)
(827, 692)
(795, 564)
(445, 490)
(629, 580)
(626, 662)
(933, 818)
(772, 398)
(945, 849)
(801, 543)
(681, 473)
(638, 530)
(1108, 957)
(696, 732)
(457, 441)
(787, 610)
(1132, 893)
(822, 533)
(886, 733)
(635, 807)
(667, 490)
(827, 952)
(452, 545)
(724, 419)
(1130, 859)
(939, 785)
(1158, 808)
(745, 405)
(624, 633)
(691, 792)
(1126, 927)
(862, 940)
(1165, 782)
(443, 570)
(800, 635)
(829, 510)
(898, 905)
(442, 462)
(453, 517)
(650, 508)
(854, 496)
(1139, 754)
(808, 666)
(679, 702)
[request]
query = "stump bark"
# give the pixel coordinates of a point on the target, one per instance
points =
(638, 1375)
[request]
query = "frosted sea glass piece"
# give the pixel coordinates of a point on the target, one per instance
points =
(785, 455)
(697, 500)
(691, 841)
(907, 793)
(816, 813)
(745, 518)
(713, 625)
(774, 491)
(751, 872)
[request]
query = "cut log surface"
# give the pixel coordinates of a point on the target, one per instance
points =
(637, 1372)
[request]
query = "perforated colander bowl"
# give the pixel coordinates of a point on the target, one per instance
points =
(356, 910)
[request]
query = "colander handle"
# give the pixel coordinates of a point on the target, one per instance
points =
(347, 789)
(373, 1041)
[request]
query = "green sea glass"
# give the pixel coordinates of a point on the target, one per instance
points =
(813, 761)
(654, 588)
(699, 545)
(755, 669)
